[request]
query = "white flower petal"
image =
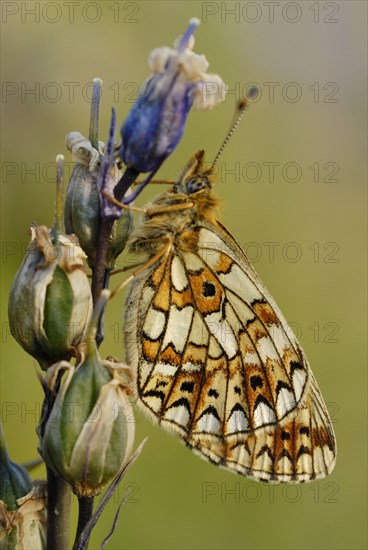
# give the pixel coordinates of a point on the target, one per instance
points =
(190, 45)
(192, 65)
(158, 57)
(209, 92)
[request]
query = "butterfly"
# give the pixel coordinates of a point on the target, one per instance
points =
(213, 357)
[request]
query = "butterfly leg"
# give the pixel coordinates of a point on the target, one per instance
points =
(162, 182)
(121, 204)
(143, 267)
(171, 208)
(124, 269)
(149, 211)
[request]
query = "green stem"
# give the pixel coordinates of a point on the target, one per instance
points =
(129, 176)
(95, 321)
(58, 512)
(84, 515)
(31, 464)
(58, 227)
(95, 108)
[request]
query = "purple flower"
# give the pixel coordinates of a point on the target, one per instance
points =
(156, 122)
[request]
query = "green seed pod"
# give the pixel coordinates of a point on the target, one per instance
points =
(83, 200)
(50, 299)
(82, 204)
(15, 480)
(90, 432)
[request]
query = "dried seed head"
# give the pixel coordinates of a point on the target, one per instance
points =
(82, 212)
(50, 299)
(90, 432)
(25, 527)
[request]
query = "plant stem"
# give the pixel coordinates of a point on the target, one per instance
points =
(129, 176)
(58, 512)
(84, 515)
(95, 109)
(100, 276)
(59, 203)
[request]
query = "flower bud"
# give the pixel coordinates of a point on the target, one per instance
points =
(90, 432)
(50, 299)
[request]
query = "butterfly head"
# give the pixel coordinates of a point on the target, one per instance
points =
(195, 177)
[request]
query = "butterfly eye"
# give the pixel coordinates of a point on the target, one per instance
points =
(196, 184)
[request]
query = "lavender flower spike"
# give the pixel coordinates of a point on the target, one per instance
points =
(156, 122)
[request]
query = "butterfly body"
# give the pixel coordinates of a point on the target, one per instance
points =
(214, 358)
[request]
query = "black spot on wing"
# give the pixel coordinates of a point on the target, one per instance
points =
(237, 407)
(182, 402)
(256, 382)
(155, 393)
(208, 289)
(281, 385)
(262, 399)
(210, 410)
(265, 450)
(259, 301)
(286, 453)
(187, 386)
(303, 451)
(295, 365)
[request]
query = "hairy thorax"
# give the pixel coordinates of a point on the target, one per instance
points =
(172, 220)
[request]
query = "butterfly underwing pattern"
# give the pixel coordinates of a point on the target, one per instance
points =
(213, 357)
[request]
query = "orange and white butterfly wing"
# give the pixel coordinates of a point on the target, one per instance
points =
(217, 363)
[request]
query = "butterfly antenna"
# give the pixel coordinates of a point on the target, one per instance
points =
(241, 108)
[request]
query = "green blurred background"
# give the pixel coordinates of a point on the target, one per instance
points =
(312, 55)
